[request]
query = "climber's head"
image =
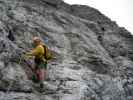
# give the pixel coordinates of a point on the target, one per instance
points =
(36, 40)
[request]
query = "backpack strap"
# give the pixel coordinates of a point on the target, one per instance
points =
(45, 51)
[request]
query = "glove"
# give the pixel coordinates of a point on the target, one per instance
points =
(28, 56)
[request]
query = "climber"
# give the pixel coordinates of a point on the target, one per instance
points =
(40, 62)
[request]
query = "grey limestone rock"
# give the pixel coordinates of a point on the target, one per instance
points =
(94, 56)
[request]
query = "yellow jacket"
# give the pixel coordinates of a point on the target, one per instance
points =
(37, 52)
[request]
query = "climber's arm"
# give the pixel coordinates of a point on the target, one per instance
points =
(34, 52)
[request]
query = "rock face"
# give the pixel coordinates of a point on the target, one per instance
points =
(94, 56)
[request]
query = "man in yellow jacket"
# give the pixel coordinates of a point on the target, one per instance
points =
(40, 61)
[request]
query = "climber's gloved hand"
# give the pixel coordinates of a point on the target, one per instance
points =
(28, 56)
